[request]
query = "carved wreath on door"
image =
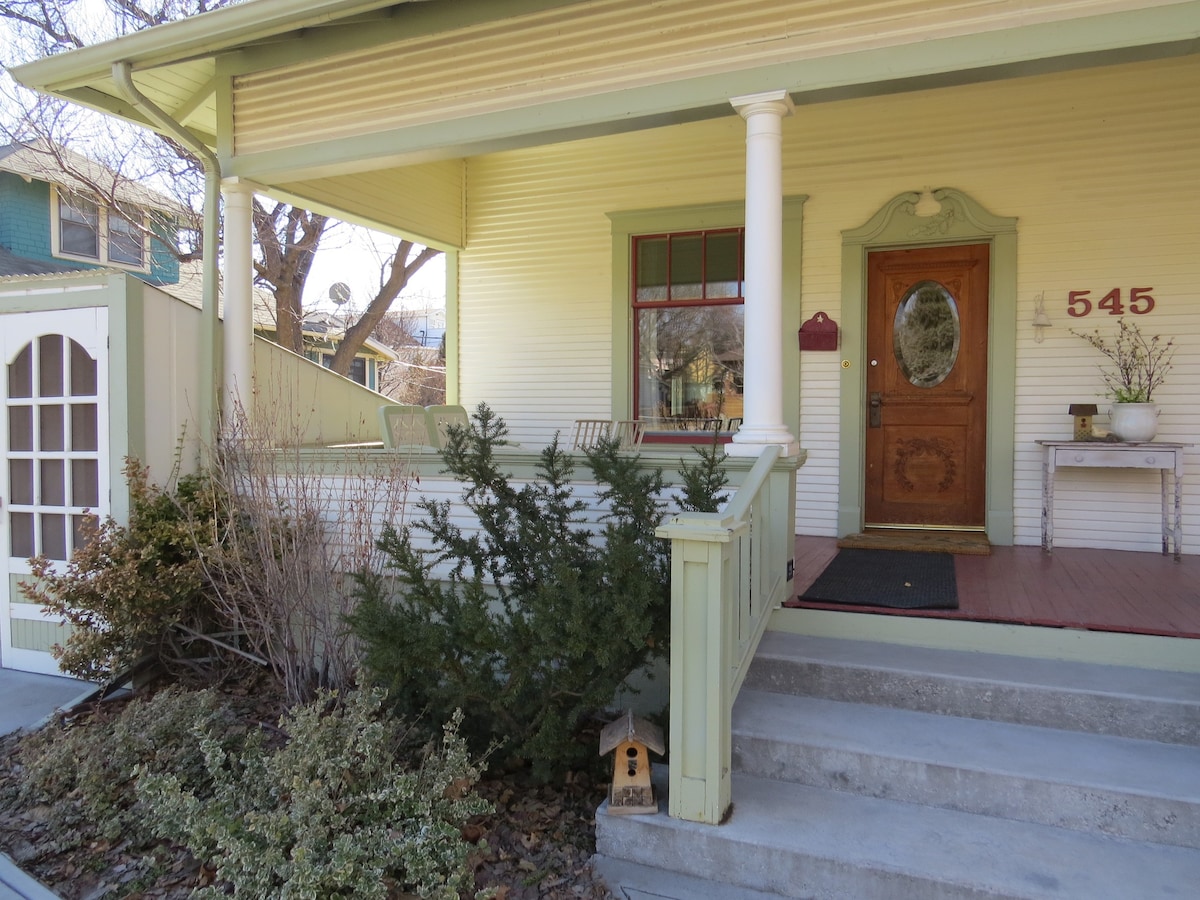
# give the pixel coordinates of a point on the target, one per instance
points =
(915, 448)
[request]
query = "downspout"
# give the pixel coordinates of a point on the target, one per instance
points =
(210, 352)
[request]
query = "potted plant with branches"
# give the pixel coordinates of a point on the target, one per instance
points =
(1139, 366)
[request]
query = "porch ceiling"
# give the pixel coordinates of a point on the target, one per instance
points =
(187, 67)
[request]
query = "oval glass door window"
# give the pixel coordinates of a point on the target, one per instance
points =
(926, 334)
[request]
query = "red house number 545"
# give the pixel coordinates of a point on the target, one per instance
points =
(1080, 303)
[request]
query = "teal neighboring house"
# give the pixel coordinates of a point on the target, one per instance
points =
(100, 339)
(52, 221)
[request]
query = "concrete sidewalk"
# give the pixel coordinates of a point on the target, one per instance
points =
(26, 700)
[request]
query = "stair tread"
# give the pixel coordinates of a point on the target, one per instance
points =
(1027, 751)
(983, 853)
(1183, 687)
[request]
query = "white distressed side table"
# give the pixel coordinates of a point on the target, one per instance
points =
(1166, 457)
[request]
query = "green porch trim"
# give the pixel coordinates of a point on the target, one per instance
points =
(690, 218)
(1015, 52)
(727, 578)
(1144, 651)
(453, 316)
(895, 225)
(520, 463)
(127, 380)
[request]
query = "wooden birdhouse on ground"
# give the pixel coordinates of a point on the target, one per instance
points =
(630, 738)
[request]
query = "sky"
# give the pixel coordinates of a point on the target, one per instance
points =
(353, 256)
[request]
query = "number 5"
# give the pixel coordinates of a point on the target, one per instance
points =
(1140, 301)
(1078, 305)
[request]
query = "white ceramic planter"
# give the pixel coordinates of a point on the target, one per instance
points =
(1134, 421)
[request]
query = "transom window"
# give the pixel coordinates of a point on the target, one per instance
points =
(87, 231)
(689, 333)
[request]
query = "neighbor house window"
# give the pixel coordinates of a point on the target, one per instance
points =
(689, 332)
(85, 230)
(125, 244)
(78, 227)
(358, 369)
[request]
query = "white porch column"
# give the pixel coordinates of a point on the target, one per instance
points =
(237, 392)
(763, 379)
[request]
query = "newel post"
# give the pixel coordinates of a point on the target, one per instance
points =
(701, 667)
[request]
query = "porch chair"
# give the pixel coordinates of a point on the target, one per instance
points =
(441, 418)
(629, 433)
(404, 426)
(589, 432)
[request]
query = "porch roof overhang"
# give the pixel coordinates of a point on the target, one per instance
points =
(186, 68)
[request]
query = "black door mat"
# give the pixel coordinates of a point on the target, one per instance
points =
(897, 579)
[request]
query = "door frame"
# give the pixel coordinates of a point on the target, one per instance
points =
(896, 226)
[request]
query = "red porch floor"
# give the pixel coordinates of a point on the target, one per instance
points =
(1101, 590)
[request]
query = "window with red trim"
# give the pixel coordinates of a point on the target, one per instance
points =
(689, 333)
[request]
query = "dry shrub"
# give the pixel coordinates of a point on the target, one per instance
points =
(301, 524)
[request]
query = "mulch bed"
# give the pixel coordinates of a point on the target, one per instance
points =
(540, 840)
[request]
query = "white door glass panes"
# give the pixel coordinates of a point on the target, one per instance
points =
(83, 372)
(20, 374)
(53, 468)
(52, 433)
(54, 477)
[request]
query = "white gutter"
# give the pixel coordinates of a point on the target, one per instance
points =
(210, 351)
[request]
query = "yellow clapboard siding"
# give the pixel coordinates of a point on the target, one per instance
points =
(1097, 165)
(423, 201)
(577, 50)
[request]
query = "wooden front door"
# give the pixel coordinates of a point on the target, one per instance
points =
(926, 403)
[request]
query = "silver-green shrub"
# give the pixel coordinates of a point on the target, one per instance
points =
(84, 771)
(335, 812)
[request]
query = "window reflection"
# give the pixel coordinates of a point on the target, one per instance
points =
(689, 328)
(926, 334)
(690, 363)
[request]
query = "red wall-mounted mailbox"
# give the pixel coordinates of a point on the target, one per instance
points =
(819, 333)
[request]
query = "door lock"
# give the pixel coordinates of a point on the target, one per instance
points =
(876, 409)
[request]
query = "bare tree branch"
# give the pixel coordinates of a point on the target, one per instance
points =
(287, 236)
(404, 265)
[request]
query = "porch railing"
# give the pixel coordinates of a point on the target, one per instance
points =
(729, 571)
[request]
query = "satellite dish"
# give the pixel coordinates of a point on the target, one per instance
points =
(339, 292)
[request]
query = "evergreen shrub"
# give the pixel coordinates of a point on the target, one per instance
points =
(541, 615)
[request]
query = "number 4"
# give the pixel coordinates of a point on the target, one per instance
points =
(1112, 302)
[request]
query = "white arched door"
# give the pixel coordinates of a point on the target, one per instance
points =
(54, 439)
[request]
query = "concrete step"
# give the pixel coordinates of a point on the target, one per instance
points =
(793, 840)
(631, 881)
(1123, 787)
(1114, 700)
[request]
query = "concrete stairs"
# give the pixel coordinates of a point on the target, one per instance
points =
(867, 771)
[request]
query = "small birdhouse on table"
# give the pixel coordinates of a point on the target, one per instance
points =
(1083, 413)
(630, 739)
